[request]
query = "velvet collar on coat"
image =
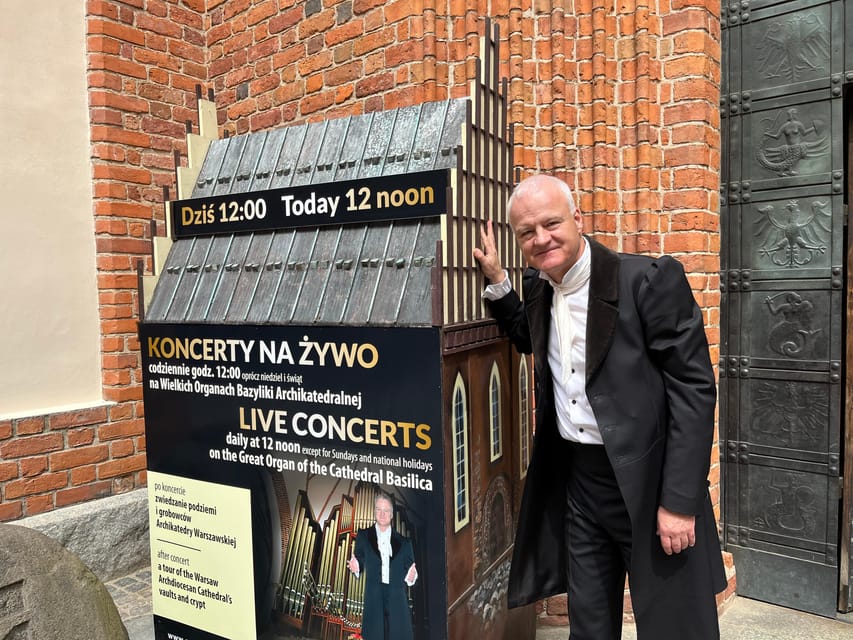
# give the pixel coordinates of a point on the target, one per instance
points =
(373, 539)
(602, 312)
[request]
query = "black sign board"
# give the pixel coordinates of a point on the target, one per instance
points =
(408, 195)
(252, 430)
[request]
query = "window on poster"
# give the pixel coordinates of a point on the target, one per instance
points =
(524, 417)
(495, 413)
(460, 454)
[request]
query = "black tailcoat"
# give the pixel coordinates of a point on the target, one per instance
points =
(651, 386)
(370, 562)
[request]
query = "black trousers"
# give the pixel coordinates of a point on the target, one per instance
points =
(598, 539)
(598, 545)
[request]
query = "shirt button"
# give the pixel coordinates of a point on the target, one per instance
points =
(574, 401)
(580, 429)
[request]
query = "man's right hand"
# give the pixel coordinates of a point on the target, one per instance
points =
(352, 564)
(490, 264)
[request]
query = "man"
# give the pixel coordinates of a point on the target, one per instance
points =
(389, 562)
(625, 398)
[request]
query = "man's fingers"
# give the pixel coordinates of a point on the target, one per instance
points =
(676, 544)
(487, 235)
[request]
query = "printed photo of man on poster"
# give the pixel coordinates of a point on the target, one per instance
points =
(387, 560)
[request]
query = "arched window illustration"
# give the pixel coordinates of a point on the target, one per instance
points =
(495, 431)
(460, 454)
(523, 417)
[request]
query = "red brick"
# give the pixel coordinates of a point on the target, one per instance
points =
(33, 466)
(32, 486)
(29, 426)
(158, 25)
(121, 449)
(125, 429)
(34, 505)
(373, 85)
(117, 31)
(119, 136)
(287, 19)
(30, 446)
(80, 437)
(82, 493)
(363, 6)
(82, 475)
(78, 457)
(121, 467)
(8, 470)
(5, 429)
(10, 510)
(106, 62)
(78, 418)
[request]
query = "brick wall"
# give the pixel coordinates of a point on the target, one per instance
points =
(620, 99)
(144, 59)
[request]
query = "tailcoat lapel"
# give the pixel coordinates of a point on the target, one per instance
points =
(603, 306)
(537, 298)
(373, 539)
(603, 310)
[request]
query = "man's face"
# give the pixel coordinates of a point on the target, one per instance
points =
(383, 513)
(547, 232)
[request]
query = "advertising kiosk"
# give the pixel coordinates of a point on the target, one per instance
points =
(317, 356)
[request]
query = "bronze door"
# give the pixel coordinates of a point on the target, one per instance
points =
(783, 298)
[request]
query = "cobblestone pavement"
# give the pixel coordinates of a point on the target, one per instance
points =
(132, 596)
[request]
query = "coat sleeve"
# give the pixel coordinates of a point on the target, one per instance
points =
(509, 312)
(676, 343)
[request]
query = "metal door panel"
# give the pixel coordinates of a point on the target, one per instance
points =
(271, 276)
(173, 271)
(248, 162)
(330, 151)
(226, 178)
(206, 181)
(285, 168)
(317, 275)
(377, 144)
(782, 280)
(345, 264)
(230, 276)
(244, 291)
(352, 151)
(425, 147)
(451, 134)
(290, 286)
(208, 279)
(307, 160)
(793, 234)
(189, 278)
(394, 272)
(784, 414)
(786, 581)
(790, 44)
(416, 306)
(402, 138)
(364, 285)
(265, 168)
(848, 60)
(787, 144)
(789, 327)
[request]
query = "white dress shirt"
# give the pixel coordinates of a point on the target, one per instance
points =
(567, 349)
(383, 539)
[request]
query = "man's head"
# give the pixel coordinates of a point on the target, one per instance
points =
(547, 224)
(383, 510)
